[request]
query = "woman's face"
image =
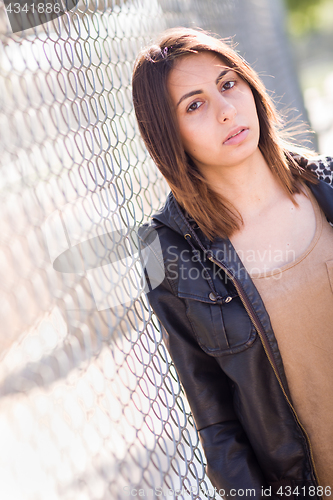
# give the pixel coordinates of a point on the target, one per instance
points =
(212, 104)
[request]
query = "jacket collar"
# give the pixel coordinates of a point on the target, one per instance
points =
(323, 193)
(173, 216)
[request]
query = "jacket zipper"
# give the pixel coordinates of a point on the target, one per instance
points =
(248, 306)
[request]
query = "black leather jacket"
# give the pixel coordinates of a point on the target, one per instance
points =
(221, 341)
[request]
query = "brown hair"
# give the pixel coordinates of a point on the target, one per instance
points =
(158, 126)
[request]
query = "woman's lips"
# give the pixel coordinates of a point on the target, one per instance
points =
(236, 139)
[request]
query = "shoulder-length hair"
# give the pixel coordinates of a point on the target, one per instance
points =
(159, 129)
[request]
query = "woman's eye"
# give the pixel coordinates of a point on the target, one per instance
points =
(228, 85)
(195, 105)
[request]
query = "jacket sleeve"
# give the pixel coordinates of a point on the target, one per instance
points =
(231, 463)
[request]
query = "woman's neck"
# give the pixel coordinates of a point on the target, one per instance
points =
(251, 187)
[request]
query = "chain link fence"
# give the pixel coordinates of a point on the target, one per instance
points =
(91, 407)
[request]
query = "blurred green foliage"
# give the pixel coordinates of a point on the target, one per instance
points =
(300, 5)
(307, 16)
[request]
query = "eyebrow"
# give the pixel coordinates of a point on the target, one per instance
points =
(197, 92)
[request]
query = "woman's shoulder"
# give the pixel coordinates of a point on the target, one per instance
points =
(165, 220)
(171, 222)
(166, 232)
(321, 166)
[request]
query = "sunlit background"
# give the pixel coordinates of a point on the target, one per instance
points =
(310, 28)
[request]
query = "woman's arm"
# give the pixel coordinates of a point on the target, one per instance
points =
(231, 464)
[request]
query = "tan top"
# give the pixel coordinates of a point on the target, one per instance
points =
(299, 300)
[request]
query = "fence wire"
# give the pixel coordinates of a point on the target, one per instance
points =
(91, 406)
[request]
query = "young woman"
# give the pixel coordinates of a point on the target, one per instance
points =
(246, 303)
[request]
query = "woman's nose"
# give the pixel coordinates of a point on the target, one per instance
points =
(225, 110)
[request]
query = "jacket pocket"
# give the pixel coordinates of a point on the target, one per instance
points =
(219, 329)
(329, 267)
